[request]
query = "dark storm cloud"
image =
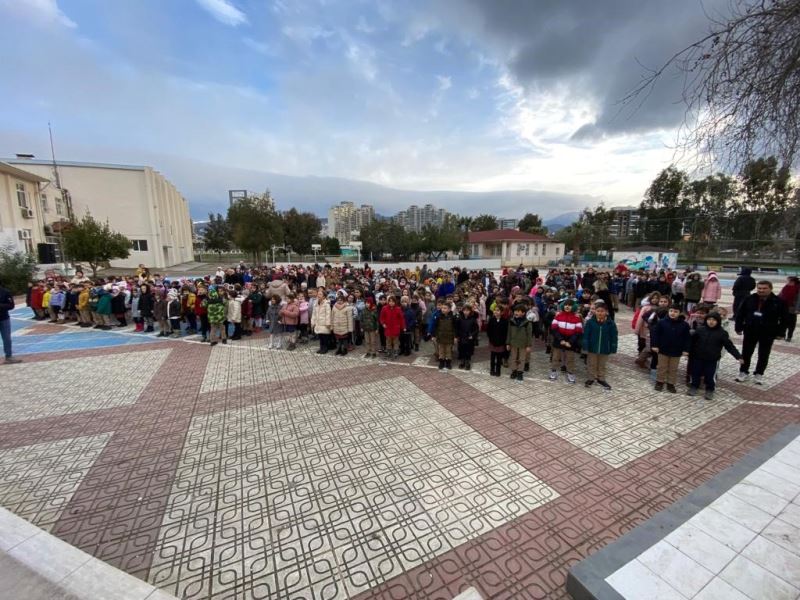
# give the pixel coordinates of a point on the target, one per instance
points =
(596, 48)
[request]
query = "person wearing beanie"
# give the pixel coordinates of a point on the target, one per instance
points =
(174, 313)
(708, 341)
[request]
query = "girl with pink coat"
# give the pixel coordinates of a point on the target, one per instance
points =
(712, 290)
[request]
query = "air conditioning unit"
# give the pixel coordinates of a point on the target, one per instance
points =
(27, 213)
(24, 234)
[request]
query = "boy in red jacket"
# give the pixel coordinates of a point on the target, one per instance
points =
(565, 330)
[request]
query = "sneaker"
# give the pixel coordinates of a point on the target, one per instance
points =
(570, 378)
(604, 384)
(659, 386)
(11, 360)
(742, 377)
(553, 374)
(692, 391)
(758, 379)
(709, 395)
(441, 365)
(589, 383)
(513, 375)
(519, 375)
(671, 388)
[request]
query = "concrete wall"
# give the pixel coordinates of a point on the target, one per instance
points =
(137, 202)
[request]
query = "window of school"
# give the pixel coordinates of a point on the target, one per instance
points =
(59, 206)
(43, 203)
(139, 245)
(544, 249)
(22, 196)
(558, 251)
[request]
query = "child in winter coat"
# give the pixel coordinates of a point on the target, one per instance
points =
(410, 318)
(302, 326)
(497, 331)
(290, 316)
(519, 339)
(443, 332)
(136, 314)
(670, 339)
(174, 312)
(216, 317)
(566, 331)
(392, 323)
(321, 320)
(712, 290)
(369, 323)
(273, 322)
(599, 341)
(467, 330)
(706, 350)
(342, 323)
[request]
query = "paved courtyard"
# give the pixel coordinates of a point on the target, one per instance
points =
(243, 472)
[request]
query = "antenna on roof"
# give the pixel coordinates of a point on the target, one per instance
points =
(53, 154)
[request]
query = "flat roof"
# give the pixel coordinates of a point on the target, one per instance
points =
(27, 175)
(70, 163)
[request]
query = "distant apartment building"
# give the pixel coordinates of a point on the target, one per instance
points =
(37, 200)
(234, 195)
(416, 219)
(346, 219)
(507, 223)
(624, 223)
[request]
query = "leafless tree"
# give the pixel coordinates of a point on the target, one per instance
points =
(741, 86)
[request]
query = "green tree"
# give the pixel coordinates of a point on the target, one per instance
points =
(93, 242)
(217, 236)
(300, 230)
(709, 202)
(484, 222)
(435, 241)
(664, 207)
(16, 269)
(330, 246)
(532, 223)
(766, 196)
(255, 226)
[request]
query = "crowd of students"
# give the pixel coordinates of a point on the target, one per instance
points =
(392, 311)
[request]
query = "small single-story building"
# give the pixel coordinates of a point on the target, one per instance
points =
(514, 247)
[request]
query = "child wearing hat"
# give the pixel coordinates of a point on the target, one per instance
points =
(707, 343)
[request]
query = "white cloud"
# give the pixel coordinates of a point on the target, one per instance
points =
(224, 12)
(363, 26)
(445, 82)
(260, 47)
(40, 12)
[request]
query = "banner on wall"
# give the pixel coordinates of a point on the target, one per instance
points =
(646, 260)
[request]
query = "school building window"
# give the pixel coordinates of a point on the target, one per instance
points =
(59, 206)
(139, 245)
(22, 196)
(43, 201)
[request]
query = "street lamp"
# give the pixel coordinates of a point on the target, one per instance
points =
(316, 248)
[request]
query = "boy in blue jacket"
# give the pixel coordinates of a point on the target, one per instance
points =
(599, 341)
(670, 339)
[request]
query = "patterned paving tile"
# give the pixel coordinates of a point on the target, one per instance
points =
(617, 426)
(225, 367)
(331, 493)
(37, 481)
(76, 384)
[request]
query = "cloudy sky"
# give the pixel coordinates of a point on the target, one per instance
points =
(462, 95)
